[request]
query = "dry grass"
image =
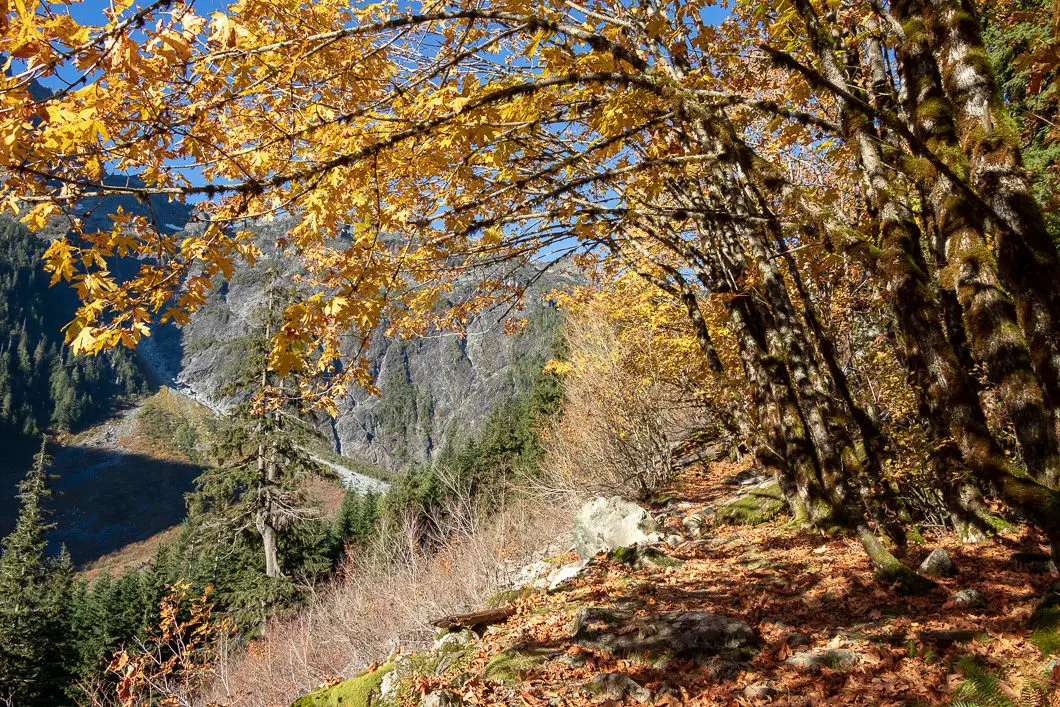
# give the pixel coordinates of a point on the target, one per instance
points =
(383, 599)
(131, 557)
(623, 416)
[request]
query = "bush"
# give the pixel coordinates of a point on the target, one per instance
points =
(623, 415)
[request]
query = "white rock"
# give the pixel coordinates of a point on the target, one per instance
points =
(565, 573)
(603, 524)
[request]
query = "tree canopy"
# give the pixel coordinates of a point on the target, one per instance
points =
(766, 172)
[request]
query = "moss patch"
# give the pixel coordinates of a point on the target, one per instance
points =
(757, 507)
(1045, 627)
(514, 664)
(360, 691)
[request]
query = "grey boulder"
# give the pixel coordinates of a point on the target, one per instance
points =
(603, 524)
(841, 659)
(969, 599)
(938, 564)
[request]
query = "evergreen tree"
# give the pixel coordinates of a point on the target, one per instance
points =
(250, 522)
(355, 520)
(35, 598)
(40, 384)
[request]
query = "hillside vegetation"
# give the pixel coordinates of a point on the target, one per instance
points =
(799, 440)
(43, 386)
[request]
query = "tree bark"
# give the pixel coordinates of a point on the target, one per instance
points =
(995, 331)
(1027, 257)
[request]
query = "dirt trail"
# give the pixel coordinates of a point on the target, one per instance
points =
(830, 633)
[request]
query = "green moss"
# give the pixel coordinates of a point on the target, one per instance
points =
(1045, 626)
(998, 524)
(914, 536)
(623, 555)
(514, 664)
(360, 691)
(757, 507)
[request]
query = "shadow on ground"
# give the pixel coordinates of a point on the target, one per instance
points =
(105, 499)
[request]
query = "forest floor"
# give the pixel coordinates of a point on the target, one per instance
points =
(804, 594)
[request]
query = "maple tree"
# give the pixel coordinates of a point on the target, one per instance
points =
(176, 659)
(419, 146)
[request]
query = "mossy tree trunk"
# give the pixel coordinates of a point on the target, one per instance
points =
(1027, 257)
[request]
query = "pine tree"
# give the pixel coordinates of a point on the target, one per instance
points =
(258, 482)
(35, 594)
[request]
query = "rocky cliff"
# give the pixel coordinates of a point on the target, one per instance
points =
(433, 390)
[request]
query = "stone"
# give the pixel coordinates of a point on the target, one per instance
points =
(1036, 562)
(696, 523)
(401, 669)
(839, 659)
(566, 573)
(615, 686)
(685, 635)
(454, 641)
(760, 691)
(574, 660)
(969, 599)
(514, 664)
(798, 640)
(441, 698)
(938, 564)
(674, 540)
(642, 558)
(603, 524)
(534, 574)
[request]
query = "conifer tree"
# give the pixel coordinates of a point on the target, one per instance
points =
(257, 483)
(35, 594)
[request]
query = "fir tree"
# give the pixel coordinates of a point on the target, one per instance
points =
(35, 598)
(258, 482)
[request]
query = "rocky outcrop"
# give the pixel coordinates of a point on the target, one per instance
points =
(434, 390)
(604, 524)
(685, 635)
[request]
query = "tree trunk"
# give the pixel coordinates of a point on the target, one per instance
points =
(991, 321)
(269, 544)
(1027, 257)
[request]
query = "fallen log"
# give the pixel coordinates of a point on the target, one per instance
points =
(475, 620)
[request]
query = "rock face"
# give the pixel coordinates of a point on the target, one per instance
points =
(938, 564)
(434, 391)
(969, 599)
(615, 686)
(686, 635)
(603, 524)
